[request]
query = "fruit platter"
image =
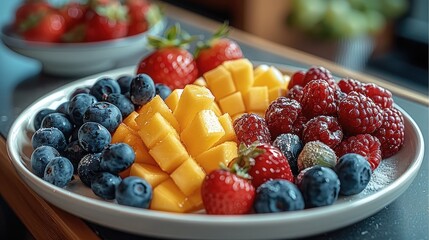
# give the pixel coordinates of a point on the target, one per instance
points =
(215, 141)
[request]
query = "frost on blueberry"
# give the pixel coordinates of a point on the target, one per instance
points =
(59, 171)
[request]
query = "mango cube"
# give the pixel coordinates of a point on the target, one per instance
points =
(232, 104)
(219, 81)
(168, 197)
(130, 121)
(271, 78)
(200, 82)
(196, 199)
(173, 98)
(204, 131)
(216, 109)
(169, 153)
(256, 99)
(227, 125)
(211, 159)
(155, 129)
(120, 133)
(242, 73)
(142, 153)
(193, 99)
(153, 106)
(188, 177)
(152, 174)
(275, 93)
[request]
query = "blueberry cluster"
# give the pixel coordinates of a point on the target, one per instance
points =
(316, 185)
(75, 138)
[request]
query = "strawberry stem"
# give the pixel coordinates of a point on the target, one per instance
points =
(173, 37)
(221, 32)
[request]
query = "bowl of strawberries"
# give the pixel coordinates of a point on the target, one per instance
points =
(76, 38)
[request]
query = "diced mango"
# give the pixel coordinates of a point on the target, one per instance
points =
(196, 200)
(188, 177)
(259, 70)
(287, 80)
(120, 133)
(155, 129)
(211, 159)
(232, 104)
(130, 121)
(193, 99)
(173, 98)
(219, 81)
(142, 153)
(236, 116)
(169, 153)
(153, 106)
(270, 78)
(227, 125)
(204, 131)
(275, 93)
(200, 82)
(168, 197)
(152, 174)
(216, 109)
(256, 99)
(242, 73)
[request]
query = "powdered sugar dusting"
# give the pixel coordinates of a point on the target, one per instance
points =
(381, 177)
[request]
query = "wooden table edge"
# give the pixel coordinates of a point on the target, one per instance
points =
(293, 54)
(43, 220)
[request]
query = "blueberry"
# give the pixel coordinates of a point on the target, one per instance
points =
(134, 191)
(122, 102)
(103, 87)
(105, 114)
(104, 185)
(40, 157)
(74, 135)
(162, 90)
(88, 167)
(74, 152)
(39, 117)
(78, 105)
(278, 196)
(59, 171)
(319, 186)
(60, 121)
(49, 137)
(124, 83)
(63, 108)
(354, 172)
(142, 89)
(290, 145)
(93, 137)
(80, 90)
(117, 157)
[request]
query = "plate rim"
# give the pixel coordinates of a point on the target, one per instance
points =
(401, 183)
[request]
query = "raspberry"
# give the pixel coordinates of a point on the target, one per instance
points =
(358, 114)
(364, 144)
(250, 128)
(382, 97)
(298, 125)
(297, 79)
(318, 99)
(296, 93)
(323, 128)
(391, 132)
(319, 73)
(348, 85)
(281, 115)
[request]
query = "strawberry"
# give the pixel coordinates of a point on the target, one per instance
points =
(227, 191)
(264, 162)
(105, 22)
(216, 50)
(137, 10)
(170, 64)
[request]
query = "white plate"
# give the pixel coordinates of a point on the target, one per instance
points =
(389, 181)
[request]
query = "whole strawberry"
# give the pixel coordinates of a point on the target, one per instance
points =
(264, 162)
(216, 50)
(227, 192)
(250, 128)
(170, 64)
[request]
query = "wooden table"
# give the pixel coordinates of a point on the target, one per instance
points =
(46, 221)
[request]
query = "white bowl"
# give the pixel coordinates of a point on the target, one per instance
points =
(80, 59)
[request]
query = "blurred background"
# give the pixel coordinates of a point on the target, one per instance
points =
(384, 38)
